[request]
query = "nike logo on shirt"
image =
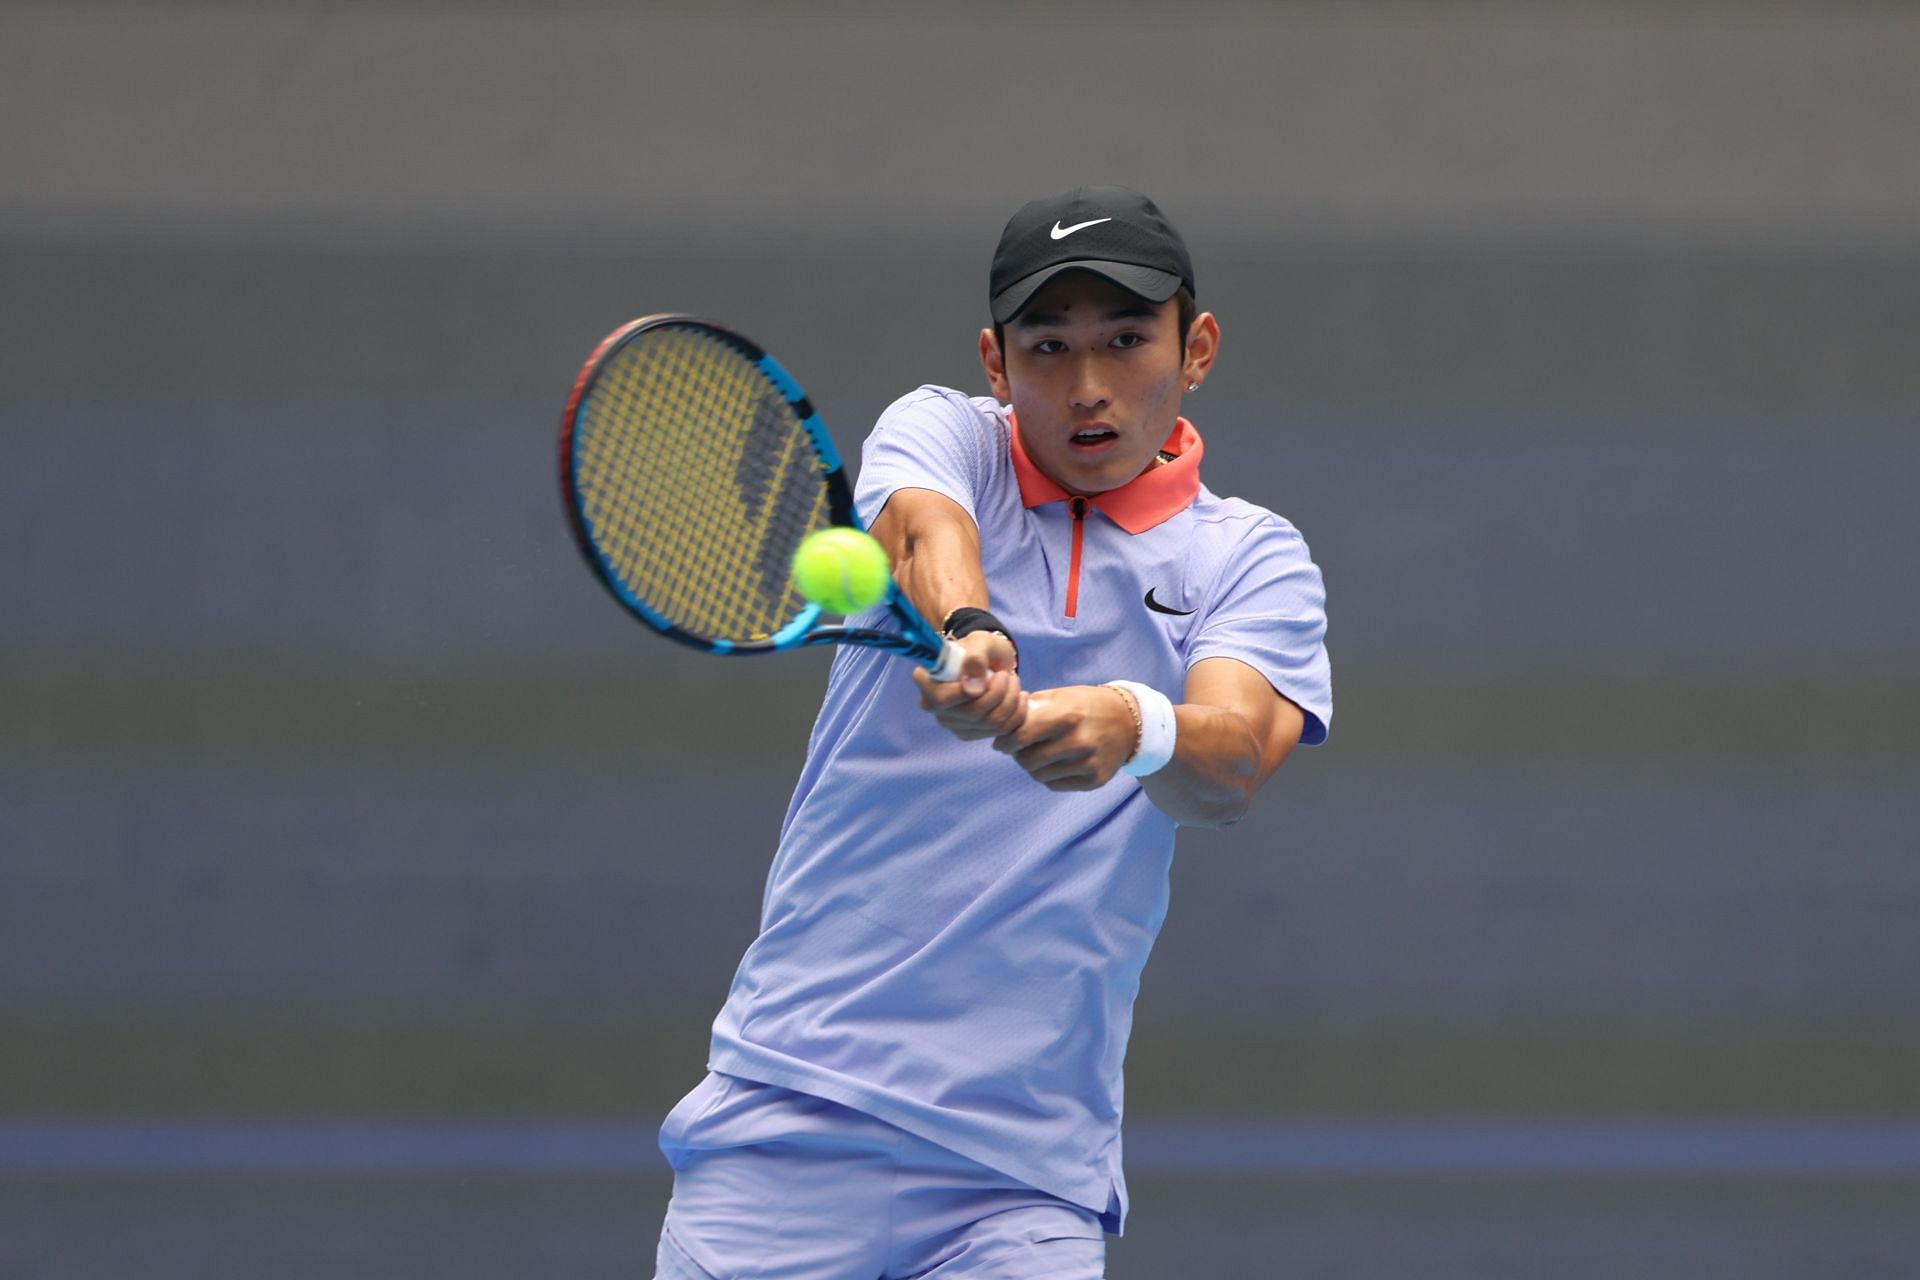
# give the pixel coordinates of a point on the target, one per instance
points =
(1157, 607)
(1061, 233)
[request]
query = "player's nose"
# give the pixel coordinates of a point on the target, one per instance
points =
(1088, 389)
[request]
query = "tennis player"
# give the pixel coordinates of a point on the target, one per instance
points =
(918, 1069)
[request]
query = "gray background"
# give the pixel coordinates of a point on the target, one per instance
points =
(1579, 339)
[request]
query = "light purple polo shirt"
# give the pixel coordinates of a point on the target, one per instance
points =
(945, 944)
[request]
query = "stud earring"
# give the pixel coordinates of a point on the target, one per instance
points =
(1193, 386)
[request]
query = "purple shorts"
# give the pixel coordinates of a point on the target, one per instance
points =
(772, 1183)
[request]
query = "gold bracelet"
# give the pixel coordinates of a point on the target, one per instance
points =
(1139, 729)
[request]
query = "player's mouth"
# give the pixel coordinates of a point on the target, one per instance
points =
(1093, 438)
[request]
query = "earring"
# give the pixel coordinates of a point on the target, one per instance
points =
(1193, 386)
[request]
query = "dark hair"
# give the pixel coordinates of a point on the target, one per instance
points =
(1183, 303)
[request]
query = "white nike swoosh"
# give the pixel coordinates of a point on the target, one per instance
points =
(1061, 233)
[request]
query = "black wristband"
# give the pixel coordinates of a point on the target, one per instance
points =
(966, 620)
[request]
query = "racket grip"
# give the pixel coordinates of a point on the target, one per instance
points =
(947, 665)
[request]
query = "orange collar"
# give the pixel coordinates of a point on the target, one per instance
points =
(1151, 498)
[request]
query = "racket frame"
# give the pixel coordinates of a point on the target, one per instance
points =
(915, 639)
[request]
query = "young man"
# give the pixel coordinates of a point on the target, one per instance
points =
(917, 1072)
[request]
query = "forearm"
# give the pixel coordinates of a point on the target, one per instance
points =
(1229, 735)
(939, 570)
(1215, 769)
(935, 550)
(1077, 738)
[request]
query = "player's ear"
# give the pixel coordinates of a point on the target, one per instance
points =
(992, 360)
(1203, 344)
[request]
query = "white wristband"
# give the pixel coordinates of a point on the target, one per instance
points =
(1156, 728)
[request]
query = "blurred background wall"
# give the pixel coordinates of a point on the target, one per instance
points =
(1580, 341)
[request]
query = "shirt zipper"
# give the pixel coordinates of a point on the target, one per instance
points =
(1079, 508)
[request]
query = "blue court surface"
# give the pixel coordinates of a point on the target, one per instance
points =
(538, 1149)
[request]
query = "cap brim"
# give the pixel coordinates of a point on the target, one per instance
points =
(1154, 286)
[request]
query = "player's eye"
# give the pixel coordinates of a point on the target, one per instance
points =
(1049, 346)
(1128, 339)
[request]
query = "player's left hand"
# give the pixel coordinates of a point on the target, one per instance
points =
(1074, 738)
(986, 701)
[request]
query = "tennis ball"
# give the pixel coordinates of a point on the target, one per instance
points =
(841, 570)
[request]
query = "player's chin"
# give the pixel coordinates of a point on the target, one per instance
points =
(1100, 477)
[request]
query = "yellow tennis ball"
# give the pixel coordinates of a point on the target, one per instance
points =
(841, 570)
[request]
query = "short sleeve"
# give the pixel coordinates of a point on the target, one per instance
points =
(1269, 610)
(931, 438)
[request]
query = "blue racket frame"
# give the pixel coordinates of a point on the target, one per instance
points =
(915, 639)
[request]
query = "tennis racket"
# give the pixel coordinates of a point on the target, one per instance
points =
(692, 465)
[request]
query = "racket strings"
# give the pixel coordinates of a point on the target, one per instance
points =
(696, 481)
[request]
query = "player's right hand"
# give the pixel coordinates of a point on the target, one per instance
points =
(986, 701)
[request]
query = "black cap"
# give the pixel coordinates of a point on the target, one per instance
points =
(1117, 233)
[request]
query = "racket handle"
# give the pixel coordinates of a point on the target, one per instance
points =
(947, 665)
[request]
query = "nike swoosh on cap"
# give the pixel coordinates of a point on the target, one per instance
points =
(1157, 607)
(1061, 233)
